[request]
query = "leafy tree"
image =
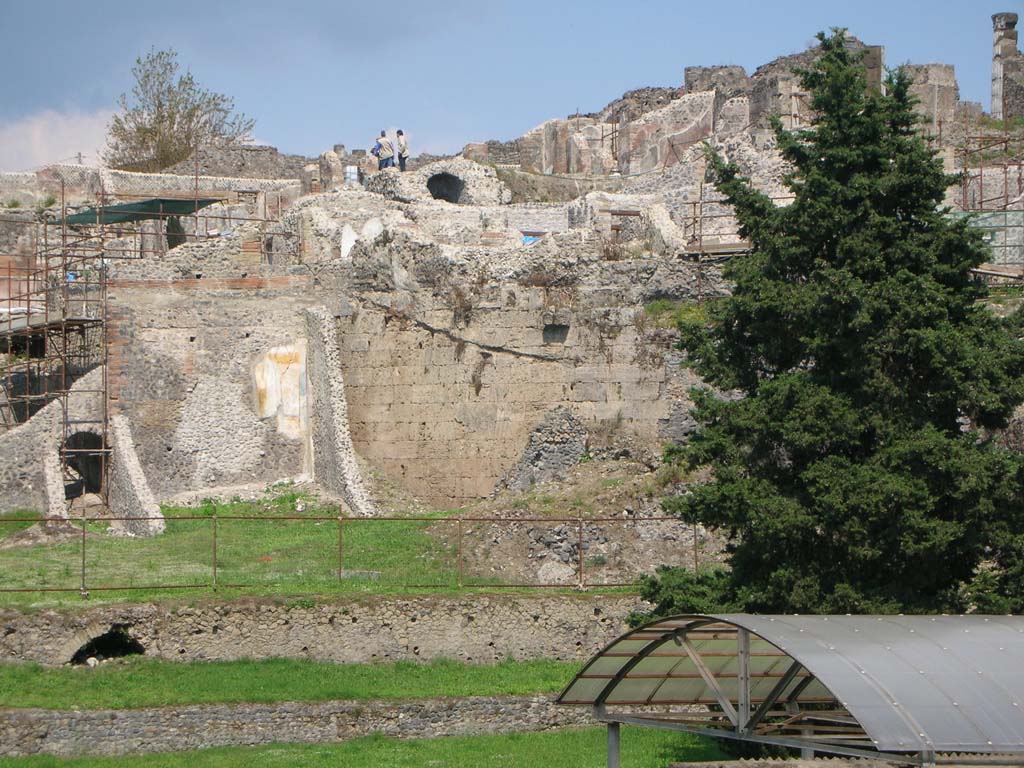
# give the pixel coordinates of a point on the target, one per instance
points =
(168, 116)
(858, 472)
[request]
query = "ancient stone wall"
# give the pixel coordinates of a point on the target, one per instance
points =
(936, 89)
(480, 629)
(174, 729)
(1007, 68)
(455, 181)
(732, 116)
(633, 104)
(21, 471)
(445, 390)
(656, 139)
(730, 80)
(250, 162)
(83, 183)
(20, 187)
(334, 459)
(466, 225)
(555, 446)
(132, 505)
(495, 152)
(30, 473)
(182, 369)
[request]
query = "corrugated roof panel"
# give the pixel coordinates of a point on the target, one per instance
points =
(940, 683)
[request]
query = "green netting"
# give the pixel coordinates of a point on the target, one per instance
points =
(156, 208)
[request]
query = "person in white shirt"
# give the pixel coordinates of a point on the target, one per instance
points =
(403, 150)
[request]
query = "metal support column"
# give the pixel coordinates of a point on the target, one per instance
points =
(793, 709)
(743, 660)
(614, 746)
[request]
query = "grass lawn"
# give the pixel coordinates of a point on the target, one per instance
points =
(266, 556)
(140, 682)
(641, 748)
(26, 518)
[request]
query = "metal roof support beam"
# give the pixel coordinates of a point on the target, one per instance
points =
(800, 688)
(628, 666)
(710, 682)
(773, 696)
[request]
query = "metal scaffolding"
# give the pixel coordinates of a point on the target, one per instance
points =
(53, 332)
(991, 190)
(54, 312)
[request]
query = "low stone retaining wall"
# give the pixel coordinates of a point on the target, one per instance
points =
(172, 729)
(480, 629)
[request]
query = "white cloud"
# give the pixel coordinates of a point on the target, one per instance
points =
(50, 136)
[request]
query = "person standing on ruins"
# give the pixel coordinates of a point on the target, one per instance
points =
(403, 150)
(385, 152)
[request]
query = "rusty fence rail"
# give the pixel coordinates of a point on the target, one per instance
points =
(314, 552)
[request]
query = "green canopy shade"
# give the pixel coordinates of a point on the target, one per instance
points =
(156, 208)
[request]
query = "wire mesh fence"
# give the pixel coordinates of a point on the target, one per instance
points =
(317, 552)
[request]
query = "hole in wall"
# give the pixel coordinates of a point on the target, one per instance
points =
(113, 644)
(175, 233)
(84, 452)
(445, 186)
(33, 346)
(555, 333)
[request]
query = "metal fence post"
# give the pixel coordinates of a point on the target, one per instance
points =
(215, 548)
(579, 548)
(458, 582)
(341, 545)
(82, 588)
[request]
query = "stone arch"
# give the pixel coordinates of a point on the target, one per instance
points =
(78, 637)
(446, 186)
(116, 642)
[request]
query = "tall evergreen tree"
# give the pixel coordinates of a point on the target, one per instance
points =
(858, 471)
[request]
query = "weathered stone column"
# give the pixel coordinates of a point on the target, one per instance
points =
(1004, 47)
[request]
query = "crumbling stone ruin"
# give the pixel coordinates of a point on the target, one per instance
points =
(495, 329)
(1007, 68)
(308, 325)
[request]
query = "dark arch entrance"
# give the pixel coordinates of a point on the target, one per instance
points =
(445, 186)
(84, 452)
(110, 645)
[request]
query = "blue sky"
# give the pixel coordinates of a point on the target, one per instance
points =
(314, 73)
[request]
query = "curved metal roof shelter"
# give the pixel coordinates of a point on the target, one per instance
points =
(898, 687)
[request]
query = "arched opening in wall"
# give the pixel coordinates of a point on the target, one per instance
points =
(113, 644)
(445, 186)
(85, 458)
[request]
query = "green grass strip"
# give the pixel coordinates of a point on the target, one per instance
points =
(641, 748)
(141, 682)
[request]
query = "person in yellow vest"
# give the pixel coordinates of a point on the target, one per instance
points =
(385, 152)
(403, 150)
